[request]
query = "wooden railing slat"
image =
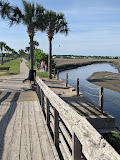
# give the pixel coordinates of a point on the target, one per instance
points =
(93, 145)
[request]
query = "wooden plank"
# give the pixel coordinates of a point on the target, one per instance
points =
(42, 101)
(77, 148)
(52, 111)
(4, 68)
(25, 152)
(56, 128)
(90, 139)
(3, 108)
(63, 152)
(5, 145)
(66, 134)
(101, 98)
(52, 124)
(35, 146)
(16, 136)
(65, 147)
(47, 112)
(47, 146)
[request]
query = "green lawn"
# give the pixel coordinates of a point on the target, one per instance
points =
(14, 67)
(40, 74)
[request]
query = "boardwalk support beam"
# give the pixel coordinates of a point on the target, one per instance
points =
(77, 148)
(56, 128)
(101, 98)
(66, 79)
(77, 86)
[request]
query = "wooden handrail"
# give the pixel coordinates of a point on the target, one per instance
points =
(92, 144)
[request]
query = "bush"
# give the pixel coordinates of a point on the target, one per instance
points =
(40, 56)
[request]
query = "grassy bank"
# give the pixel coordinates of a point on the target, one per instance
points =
(63, 67)
(66, 64)
(14, 67)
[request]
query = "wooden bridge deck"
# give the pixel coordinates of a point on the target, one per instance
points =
(84, 106)
(23, 132)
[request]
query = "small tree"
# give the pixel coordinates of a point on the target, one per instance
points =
(2, 46)
(40, 56)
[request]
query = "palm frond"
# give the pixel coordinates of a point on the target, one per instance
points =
(5, 9)
(16, 16)
(56, 23)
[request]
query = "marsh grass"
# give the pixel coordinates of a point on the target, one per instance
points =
(114, 139)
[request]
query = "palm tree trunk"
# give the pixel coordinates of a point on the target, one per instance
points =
(31, 53)
(1, 58)
(50, 59)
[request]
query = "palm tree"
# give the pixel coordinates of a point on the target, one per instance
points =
(32, 17)
(2, 46)
(35, 43)
(21, 52)
(13, 51)
(7, 48)
(5, 9)
(27, 49)
(55, 23)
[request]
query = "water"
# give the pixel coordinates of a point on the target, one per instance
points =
(111, 102)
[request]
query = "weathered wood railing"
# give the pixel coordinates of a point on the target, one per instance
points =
(73, 135)
(77, 90)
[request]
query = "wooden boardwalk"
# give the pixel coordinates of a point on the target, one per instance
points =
(73, 135)
(23, 132)
(84, 106)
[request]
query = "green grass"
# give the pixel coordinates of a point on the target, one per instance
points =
(14, 67)
(28, 65)
(40, 74)
(114, 139)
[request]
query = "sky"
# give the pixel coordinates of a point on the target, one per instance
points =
(94, 28)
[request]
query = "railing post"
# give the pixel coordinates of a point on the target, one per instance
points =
(77, 148)
(56, 128)
(54, 72)
(47, 112)
(34, 77)
(77, 86)
(37, 89)
(39, 93)
(57, 75)
(42, 101)
(101, 98)
(66, 79)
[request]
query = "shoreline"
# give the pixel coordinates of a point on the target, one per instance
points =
(107, 80)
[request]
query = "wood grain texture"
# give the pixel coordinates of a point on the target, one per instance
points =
(93, 144)
(24, 134)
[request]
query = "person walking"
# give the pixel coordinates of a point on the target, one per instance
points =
(43, 66)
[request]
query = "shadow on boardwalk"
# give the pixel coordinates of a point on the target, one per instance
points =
(7, 118)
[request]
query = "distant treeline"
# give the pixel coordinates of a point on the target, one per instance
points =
(89, 57)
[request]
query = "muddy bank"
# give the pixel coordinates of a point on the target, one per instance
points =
(106, 79)
(73, 66)
(67, 64)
